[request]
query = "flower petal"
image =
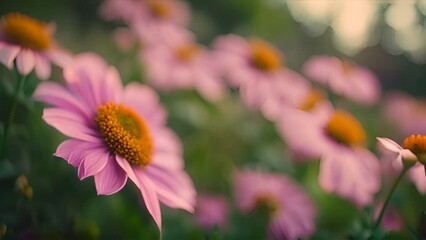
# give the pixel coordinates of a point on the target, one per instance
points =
(74, 151)
(8, 53)
(25, 61)
(111, 179)
(390, 144)
(70, 124)
(42, 67)
(94, 162)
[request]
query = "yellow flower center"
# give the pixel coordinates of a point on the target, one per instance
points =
(416, 144)
(313, 97)
(346, 129)
(159, 9)
(268, 204)
(265, 57)
(187, 52)
(25, 31)
(125, 133)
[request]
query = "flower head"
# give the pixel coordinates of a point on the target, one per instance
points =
(337, 138)
(256, 67)
(183, 64)
(117, 133)
(30, 42)
(344, 78)
(211, 211)
(291, 211)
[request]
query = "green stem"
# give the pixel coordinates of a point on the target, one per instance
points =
(21, 80)
(395, 184)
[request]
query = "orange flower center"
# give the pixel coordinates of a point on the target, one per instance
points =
(159, 9)
(268, 204)
(265, 57)
(416, 144)
(125, 133)
(187, 52)
(25, 31)
(312, 98)
(346, 129)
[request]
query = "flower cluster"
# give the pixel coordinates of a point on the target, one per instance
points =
(118, 131)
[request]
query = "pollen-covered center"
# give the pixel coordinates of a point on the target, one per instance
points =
(268, 204)
(265, 57)
(345, 129)
(313, 97)
(125, 133)
(416, 144)
(25, 31)
(159, 9)
(187, 52)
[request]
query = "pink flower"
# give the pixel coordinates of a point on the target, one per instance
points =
(344, 78)
(183, 64)
(211, 211)
(291, 210)
(412, 153)
(336, 138)
(117, 133)
(256, 67)
(152, 11)
(406, 112)
(30, 43)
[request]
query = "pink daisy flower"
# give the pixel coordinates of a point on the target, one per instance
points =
(183, 64)
(117, 133)
(413, 153)
(406, 112)
(292, 213)
(256, 67)
(30, 43)
(211, 211)
(152, 11)
(336, 138)
(344, 78)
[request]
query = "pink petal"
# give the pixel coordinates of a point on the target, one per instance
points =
(70, 124)
(166, 141)
(146, 102)
(42, 67)
(418, 176)
(59, 57)
(74, 151)
(56, 95)
(174, 187)
(111, 179)
(168, 160)
(112, 86)
(390, 144)
(8, 53)
(146, 187)
(93, 163)
(25, 61)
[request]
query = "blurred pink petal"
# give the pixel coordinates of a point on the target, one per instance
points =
(25, 61)
(42, 67)
(211, 211)
(8, 53)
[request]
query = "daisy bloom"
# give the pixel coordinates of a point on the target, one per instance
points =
(344, 78)
(152, 11)
(211, 211)
(30, 43)
(183, 64)
(412, 154)
(337, 138)
(257, 68)
(291, 211)
(406, 112)
(117, 133)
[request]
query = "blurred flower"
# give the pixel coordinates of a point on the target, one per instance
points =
(183, 64)
(292, 213)
(256, 67)
(30, 42)
(391, 220)
(344, 78)
(347, 168)
(124, 38)
(406, 112)
(152, 11)
(414, 149)
(117, 133)
(211, 211)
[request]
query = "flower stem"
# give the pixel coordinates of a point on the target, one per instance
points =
(392, 190)
(20, 82)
